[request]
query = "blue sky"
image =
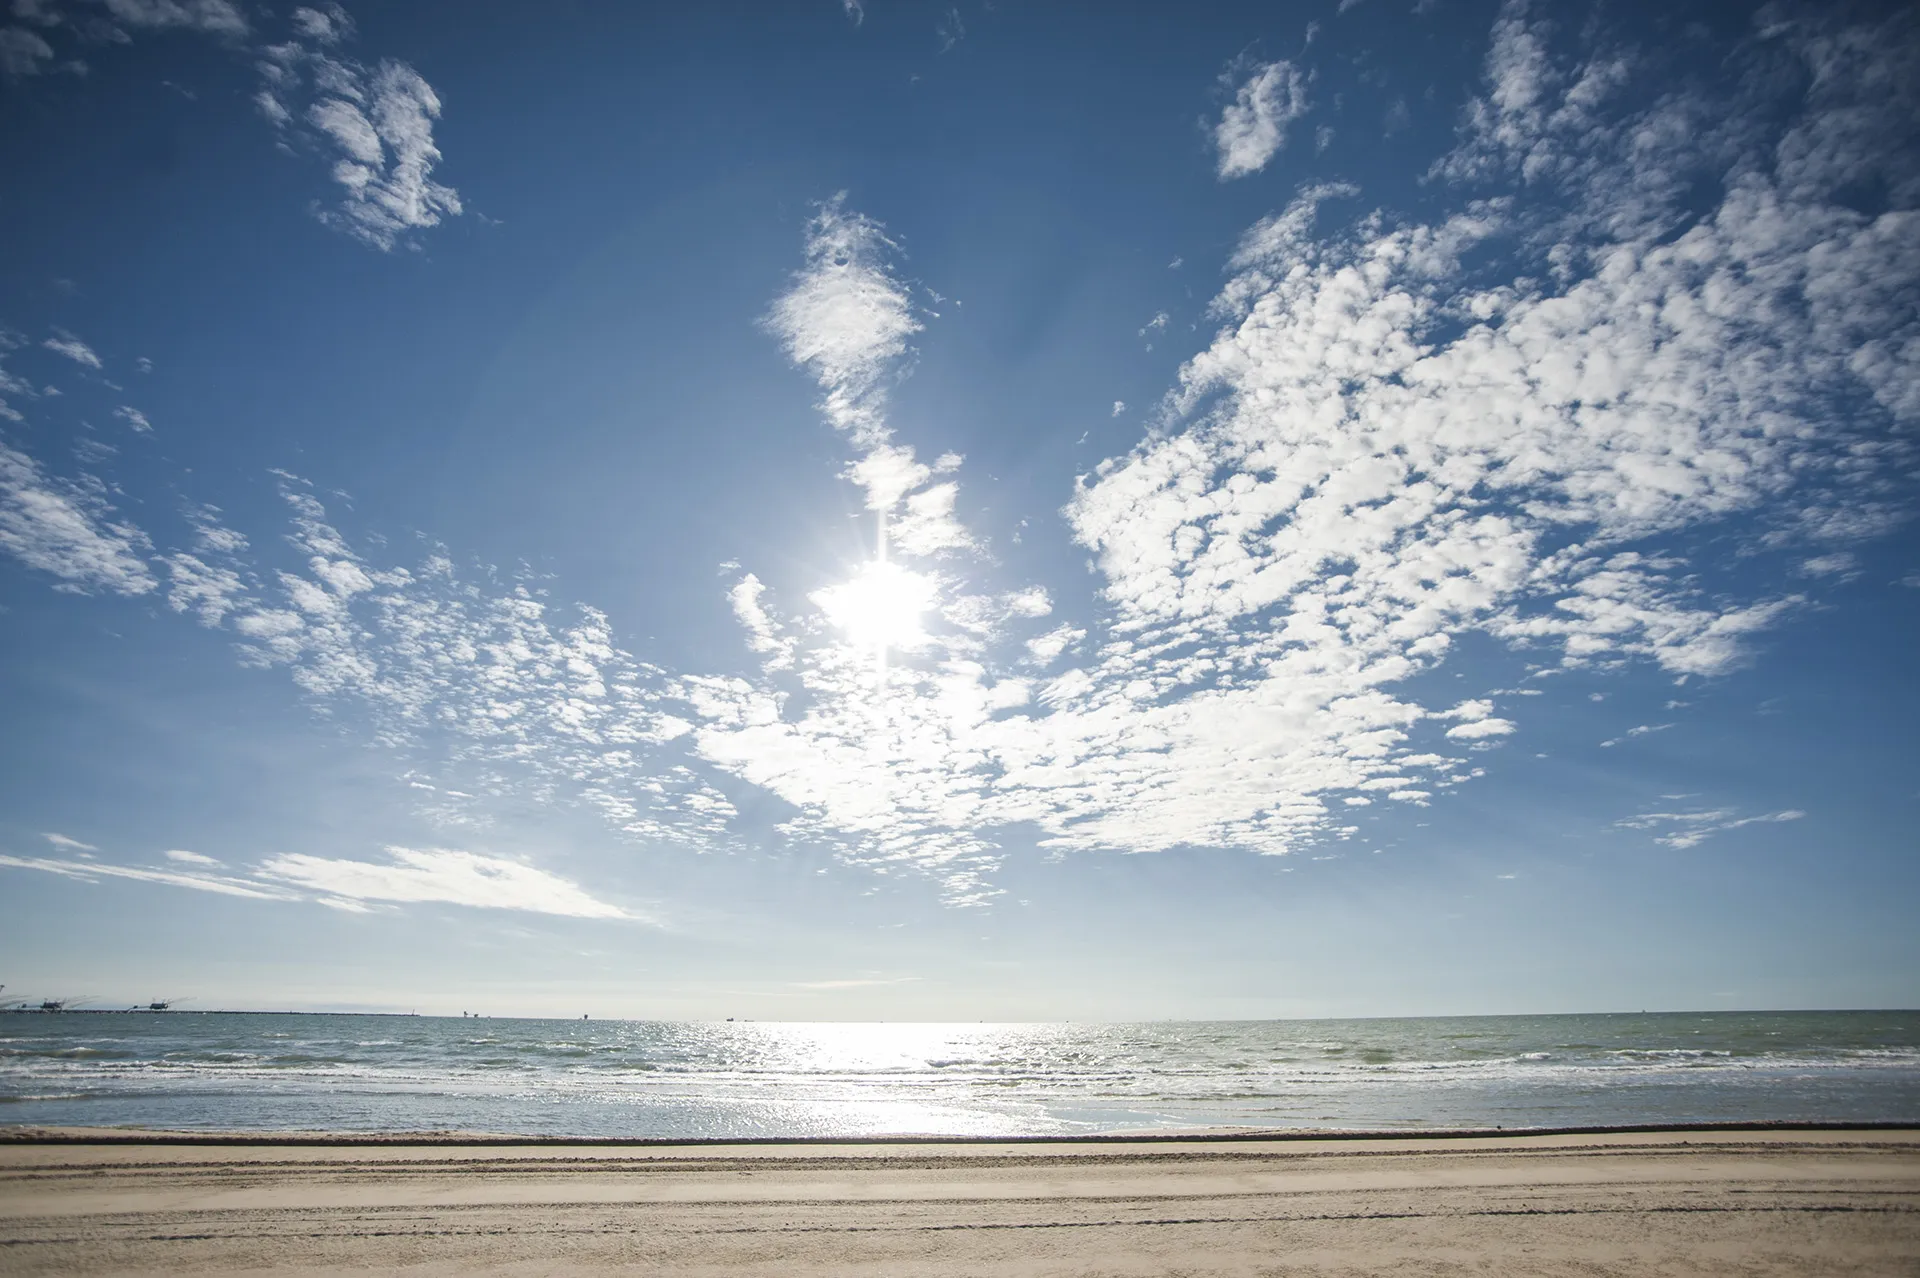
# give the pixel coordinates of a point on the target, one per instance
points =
(903, 510)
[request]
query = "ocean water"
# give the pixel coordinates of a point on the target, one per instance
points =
(757, 1079)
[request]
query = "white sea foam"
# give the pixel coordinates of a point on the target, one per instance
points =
(704, 1079)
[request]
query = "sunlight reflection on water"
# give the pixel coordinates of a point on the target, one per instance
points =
(748, 1079)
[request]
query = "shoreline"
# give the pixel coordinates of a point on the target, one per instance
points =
(107, 1135)
(1168, 1020)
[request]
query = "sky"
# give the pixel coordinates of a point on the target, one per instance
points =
(868, 509)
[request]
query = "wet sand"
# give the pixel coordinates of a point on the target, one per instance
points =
(1704, 1202)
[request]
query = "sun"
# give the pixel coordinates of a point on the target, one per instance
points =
(880, 606)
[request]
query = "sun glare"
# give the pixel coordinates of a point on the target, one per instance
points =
(880, 606)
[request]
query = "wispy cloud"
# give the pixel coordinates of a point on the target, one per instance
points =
(409, 876)
(846, 319)
(24, 49)
(1253, 127)
(67, 528)
(377, 122)
(373, 123)
(185, 857)
(1046, 648)
(11, 383)
(1642, 730)
(1689, 829)
(93, 871)
(64, 343)
(442, 875)
(23, 52)
(212, 17)
(951, 29)
(327, 25)
(1833, 564)
(1543, 421)
(66, 844)
(484, 681)
(854, 983)
(1480, 729)
(1383, 448)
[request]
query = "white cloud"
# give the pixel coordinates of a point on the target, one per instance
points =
(888, 473)
(457, 878)
(1047, 647)
(1642, 730)
(763, 635)
(928, 525)
(377, 121)
(134, 418)
(1119, 407)
(11, 384)
(498, 690)
(22, 51)
(1548, 421)
(326, 25)
(847, 319)
(212, 17)
(206, 590)
(42, 13)
(1480, 729)
(66, 844)
(389, 189)
(73, 348)
(855, 11)
(409, 876)
(375, 124)
(951, 29)
(66, 528)
(1383, 448)
(1840, 561)
(93, 871)
(190, 858)
(1690, 829)
(1253, 127)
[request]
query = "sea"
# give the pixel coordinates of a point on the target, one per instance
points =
(267, 1072)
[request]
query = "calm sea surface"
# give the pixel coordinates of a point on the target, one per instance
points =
(747, 1079)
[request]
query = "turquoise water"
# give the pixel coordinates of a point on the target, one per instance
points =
(656, 1079)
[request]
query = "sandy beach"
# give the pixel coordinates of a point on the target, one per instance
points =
(1707, 1202)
